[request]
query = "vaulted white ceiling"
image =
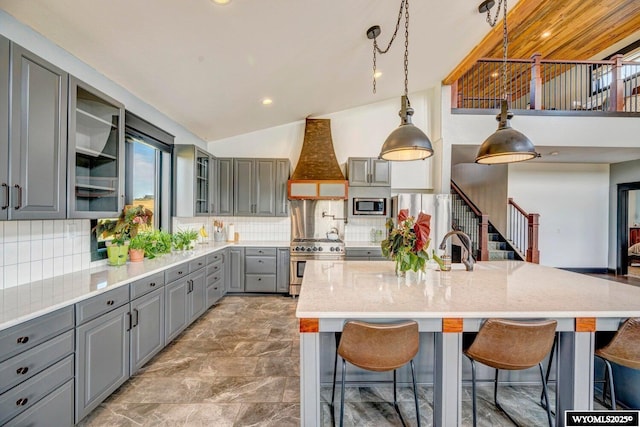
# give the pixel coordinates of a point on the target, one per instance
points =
(208, 67)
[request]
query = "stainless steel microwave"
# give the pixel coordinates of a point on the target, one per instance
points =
(369, 206)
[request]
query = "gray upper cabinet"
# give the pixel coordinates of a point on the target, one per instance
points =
(369, 172)
(260, 187)
(96, 153)
(223, 198)
(4, 125)
(244, 187)
(37, 138)
(193, 176)
(283, 170)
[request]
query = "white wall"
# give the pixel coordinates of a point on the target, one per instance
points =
(573, 203)
(358, 132)
(36, 43)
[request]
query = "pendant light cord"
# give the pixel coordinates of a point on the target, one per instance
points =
(505, 40)
(404, 6)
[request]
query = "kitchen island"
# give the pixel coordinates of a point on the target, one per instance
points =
(450, 303)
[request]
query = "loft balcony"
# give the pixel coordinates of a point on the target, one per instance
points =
(538, 86)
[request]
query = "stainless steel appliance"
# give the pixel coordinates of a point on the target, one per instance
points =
(312, 221)
(369, 206)
(436, 205)
(303, 250)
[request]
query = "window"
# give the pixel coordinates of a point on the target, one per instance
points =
(147, 175)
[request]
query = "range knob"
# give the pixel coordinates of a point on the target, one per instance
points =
(320, 248)
(331, 249)
(308, 249)
(337, 248)
(314, 249)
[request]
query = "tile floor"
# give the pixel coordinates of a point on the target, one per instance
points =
(238, 365)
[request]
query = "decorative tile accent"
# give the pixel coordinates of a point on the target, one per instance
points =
(249, 228)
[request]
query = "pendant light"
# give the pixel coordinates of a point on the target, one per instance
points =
(506, 145)
(407, 142)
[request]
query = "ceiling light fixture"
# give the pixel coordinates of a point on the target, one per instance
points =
(222, 2)
(267, 101)
(407, 142)
(506, 145)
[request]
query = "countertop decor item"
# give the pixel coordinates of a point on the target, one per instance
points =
(408, 242)
(407, 142)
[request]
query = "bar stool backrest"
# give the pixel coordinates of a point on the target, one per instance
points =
(379, 346)
(512, 345)
(624, 348)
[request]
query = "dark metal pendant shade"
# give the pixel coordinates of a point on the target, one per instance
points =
(506, 145)
(407, 142)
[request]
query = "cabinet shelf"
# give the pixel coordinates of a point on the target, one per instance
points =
(92, 153)
(96, 118)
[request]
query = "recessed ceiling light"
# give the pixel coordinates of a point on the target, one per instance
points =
(377, 74)
(221, 1)
(267, 101)
(546, 34)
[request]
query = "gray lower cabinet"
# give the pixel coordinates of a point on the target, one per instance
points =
(37, 139)
(282, 271)
(215, 277)
(364, 254)
(102, 358)
(56, 409)
(197, 295)
(236, 270)
(147, 328)
(36, 359)
(176, 312)
(260, 270)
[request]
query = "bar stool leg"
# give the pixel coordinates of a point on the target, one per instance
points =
(495, 398)
(415, 392)
(395, 398)
(344, 370)
(473, 391)
(335, 368)
(613, 392)
(546, 394)
(553, 350)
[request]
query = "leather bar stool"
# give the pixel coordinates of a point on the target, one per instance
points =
(379, 347)
(511, 345)
(624, 350)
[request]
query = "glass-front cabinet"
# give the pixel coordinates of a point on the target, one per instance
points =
(203, 176)
(96, 148)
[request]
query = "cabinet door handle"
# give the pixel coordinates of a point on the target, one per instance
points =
(22, 340)
(136, 318)
(22, 401)
(6, 196)
(129, 321)
(19, 189)
(22, 370)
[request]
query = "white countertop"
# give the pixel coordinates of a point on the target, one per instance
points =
(21, 303)
(370, 289)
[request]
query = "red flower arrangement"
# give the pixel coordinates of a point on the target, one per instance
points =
(407, 243)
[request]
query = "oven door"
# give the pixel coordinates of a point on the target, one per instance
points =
(297, 269)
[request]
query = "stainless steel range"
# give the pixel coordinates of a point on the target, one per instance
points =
(303, 250)
(312, 223)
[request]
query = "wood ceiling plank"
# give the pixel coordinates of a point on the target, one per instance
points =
(580, 29)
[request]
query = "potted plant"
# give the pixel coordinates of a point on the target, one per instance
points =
(138, 245)
(185, 239)
(122, 230)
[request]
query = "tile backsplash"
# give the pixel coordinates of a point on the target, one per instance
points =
(359, 229)
(248, 228)
(35, 250)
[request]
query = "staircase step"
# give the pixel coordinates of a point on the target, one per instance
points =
(497, 246)
(494, 237)
(500, 255)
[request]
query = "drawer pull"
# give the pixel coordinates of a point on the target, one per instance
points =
(179, 272)
(22, 340)
(260, 261)
(199, 263)
(259, 279)
(110, 302)
(152, 284)
(22, 401)
(23, 370)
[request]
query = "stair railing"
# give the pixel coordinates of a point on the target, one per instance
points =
(472, 221)
(522, 231)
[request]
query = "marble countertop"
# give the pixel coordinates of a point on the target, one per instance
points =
(21, 303)
(516, 289)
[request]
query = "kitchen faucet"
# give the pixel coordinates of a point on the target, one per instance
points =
(466, 241)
